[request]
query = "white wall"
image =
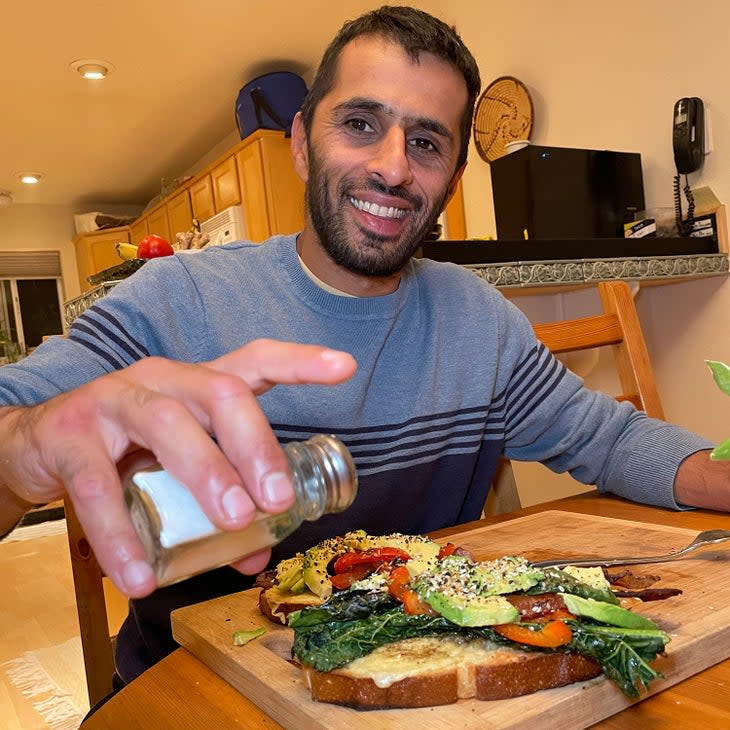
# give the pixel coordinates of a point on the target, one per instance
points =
(605, 75)
(602, 75)
(29, 226)
(42, 227)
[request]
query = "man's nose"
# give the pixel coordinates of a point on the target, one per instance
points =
(390, 160)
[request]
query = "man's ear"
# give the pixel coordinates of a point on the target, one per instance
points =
(299, 149)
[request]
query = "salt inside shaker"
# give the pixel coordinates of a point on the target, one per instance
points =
(180, 541)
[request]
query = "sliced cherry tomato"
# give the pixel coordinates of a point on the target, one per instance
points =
(373, 556)
(549, 635)
(400, 588)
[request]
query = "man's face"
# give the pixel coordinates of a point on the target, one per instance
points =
(381, 155)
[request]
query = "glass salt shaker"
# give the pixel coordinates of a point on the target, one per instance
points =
(180, 541)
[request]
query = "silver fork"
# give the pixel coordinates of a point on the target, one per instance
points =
(708, 537)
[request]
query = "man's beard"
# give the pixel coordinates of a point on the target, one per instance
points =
(370, 254)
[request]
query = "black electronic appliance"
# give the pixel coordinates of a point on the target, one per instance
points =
(563, 193)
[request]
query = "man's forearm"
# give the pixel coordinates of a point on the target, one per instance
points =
(701, 482)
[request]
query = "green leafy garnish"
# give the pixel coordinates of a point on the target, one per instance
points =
(622, 653)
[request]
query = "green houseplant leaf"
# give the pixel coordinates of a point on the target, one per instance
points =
(721, 374)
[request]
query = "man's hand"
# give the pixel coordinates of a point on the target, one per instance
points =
(74, 442)
(701, 482)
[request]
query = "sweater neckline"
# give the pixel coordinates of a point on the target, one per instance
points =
(322, 300)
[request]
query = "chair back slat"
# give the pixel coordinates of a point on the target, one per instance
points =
(619, 328)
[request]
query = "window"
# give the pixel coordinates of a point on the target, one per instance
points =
(31, 300)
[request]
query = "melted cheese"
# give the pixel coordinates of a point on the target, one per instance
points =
(412, 657)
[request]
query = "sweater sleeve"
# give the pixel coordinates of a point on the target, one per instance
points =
(552, 418)
(155, 312)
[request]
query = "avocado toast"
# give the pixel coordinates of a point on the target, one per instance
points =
(415, 623)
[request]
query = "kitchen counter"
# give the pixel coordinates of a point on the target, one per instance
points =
(517, 265)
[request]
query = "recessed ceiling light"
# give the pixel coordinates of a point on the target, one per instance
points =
(91, 68)
(30, 178)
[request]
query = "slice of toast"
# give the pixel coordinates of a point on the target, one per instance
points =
(423, 672)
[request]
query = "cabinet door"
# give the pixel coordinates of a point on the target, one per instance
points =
(96, 252)
(138, 230)
(179, 214)
(251, 174)
(201, 199)
(157, 222)
(284, 188)
(224, 179)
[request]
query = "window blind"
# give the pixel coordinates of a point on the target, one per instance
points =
(29, 264)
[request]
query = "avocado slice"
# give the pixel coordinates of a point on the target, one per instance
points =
(465, 610)
(607, 613)
(314, 566)
(289, 572)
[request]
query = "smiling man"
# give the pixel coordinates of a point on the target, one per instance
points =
(424, 371)
(381, 155)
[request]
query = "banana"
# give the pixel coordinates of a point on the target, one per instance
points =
(126, 251)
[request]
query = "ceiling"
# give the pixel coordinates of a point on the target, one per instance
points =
(178, 66)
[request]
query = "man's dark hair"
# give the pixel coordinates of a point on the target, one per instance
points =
(416, 32)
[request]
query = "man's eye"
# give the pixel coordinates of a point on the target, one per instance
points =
(423, 144)
(359, 125)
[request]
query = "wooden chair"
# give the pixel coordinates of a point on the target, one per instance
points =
(96, 642)
(619, 328)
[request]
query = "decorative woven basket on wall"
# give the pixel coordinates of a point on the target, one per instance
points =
(503, 114)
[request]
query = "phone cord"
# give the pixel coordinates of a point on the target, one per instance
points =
(678, 206)
(689, 224)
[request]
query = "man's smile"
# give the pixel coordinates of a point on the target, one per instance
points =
(381, 211)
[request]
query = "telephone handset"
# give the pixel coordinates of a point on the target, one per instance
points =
(688, 135)
(688, 141)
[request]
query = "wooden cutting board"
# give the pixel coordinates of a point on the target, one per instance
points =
(697, 621)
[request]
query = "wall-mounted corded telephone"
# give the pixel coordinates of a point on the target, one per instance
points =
(688, 141)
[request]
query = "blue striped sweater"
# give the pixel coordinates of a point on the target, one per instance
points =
(449, 377)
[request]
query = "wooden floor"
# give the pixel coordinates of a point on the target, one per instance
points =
(37, 610)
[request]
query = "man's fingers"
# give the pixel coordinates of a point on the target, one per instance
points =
(93, 485)
(264, 363)
(244, 470)
(252, 564)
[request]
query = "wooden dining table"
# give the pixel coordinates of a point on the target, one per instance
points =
(182, 692)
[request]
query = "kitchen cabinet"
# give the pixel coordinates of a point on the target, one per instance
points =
(96, 251)
(201, 198)
(272, 195)
(257, 174)
(224, 181)
(138, 230)
(157, 222)
(179, 213)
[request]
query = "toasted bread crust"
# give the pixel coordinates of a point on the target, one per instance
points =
(532, 673)
(504, 673)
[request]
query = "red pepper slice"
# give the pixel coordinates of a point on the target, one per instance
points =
(549, 635)
(345, 580)
(400, 588)
(446, 550)
(373, 556)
